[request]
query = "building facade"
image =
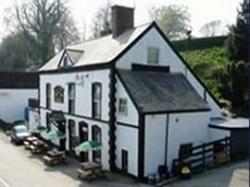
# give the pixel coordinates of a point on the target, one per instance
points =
(131, 91)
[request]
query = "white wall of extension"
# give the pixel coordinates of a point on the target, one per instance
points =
(127, 139)
(155, 139)
(167, 57)
(13, 103)
(83, 82)
(132, 114)
(104, 134)
(182, 128)
(186, 128)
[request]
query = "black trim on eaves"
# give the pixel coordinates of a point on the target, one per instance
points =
(90, 67)
(178, 111)
(185, 62)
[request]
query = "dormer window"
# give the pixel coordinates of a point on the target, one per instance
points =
(65, 61)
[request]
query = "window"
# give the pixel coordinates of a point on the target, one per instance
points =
(48, 95)
(65, 62)
(96, 100)
(74, 140)
(123, 108)
(153, 55)
(58, 94)
(71, 98)
(185, 150)
(97, 136)
(83, 133)
(48, 121)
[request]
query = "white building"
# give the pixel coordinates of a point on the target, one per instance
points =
(133, 92)
(16, 89)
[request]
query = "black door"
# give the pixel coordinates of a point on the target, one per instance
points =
(125, 161)
(83, 132)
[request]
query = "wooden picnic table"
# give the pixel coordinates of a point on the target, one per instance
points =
(90, 171)
(28, 141)
(38, 146)
(54, 157)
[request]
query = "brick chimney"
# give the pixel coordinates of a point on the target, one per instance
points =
(122, 19)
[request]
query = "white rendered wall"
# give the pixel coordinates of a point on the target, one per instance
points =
(155, 138)
(132, 115)
(83, 91)
(127, 139)
(186, 128)
(13, 103)
(138, 54)
(105, 136)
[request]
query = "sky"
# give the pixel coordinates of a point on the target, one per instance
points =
(83, 11)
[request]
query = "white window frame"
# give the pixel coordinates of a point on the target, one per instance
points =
(153, 55)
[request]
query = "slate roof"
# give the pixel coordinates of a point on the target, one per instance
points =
(97, 51)
(11, 80)
(156, 92)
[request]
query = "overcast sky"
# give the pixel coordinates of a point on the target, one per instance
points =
(201, 11)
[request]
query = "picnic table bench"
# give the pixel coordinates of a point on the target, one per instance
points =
(38, 146)
(28, 141)
(89, 171)
(54, 157)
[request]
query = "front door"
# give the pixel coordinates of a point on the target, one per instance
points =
(73, 139)
(83, 132)
(125, 161)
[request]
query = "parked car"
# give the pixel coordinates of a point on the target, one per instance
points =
(19, 133)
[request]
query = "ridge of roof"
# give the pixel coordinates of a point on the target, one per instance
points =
(99, 51)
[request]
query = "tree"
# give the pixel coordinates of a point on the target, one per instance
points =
(211, 28)
(173, 19)
(236, 45)
(14, 53)
(46, 25)
(102, 21)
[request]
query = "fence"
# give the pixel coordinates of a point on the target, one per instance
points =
(204, 156)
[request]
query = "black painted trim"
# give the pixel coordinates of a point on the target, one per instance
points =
(185, 62)
(166, 138)
(178, 111)
(141, 151)
(78, 116)
(92, 67)
(133, 43)
(127, 125)
(112, 118)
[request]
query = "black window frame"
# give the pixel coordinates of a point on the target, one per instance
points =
(123, 106)
(73, 137)
(97, 154)
(71, 99)
(48, 95)
(96, 111)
